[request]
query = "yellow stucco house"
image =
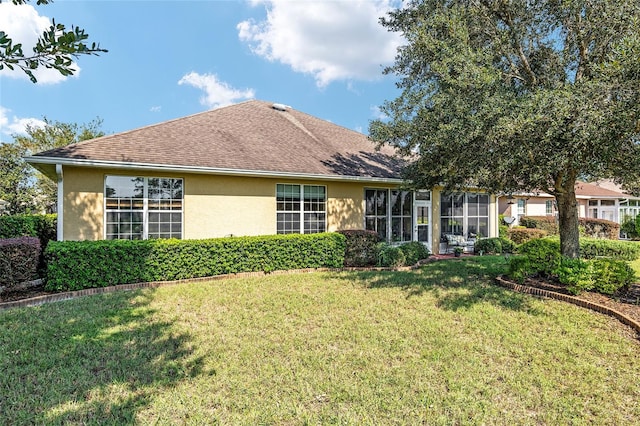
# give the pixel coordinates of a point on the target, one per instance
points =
(253, 168)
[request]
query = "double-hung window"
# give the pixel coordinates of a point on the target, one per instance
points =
(138, 208)
(301, 209)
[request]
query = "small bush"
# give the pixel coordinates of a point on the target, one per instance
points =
(576, 274)
(74, 265)
(494, 246)
(18, 260)
(521, 268)
(522, 235)
(599, 228)
(546, 223)
(414, 252)
(610, 275)
(360, 247)
(31, 225)
(544, 253)
(391, 257)
(591, 248)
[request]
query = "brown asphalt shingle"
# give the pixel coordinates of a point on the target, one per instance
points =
(250, 136)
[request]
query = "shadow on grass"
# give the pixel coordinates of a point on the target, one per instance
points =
(456, 284)
(92, 360)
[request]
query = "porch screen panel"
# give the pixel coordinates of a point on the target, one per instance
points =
(477, 215)
(452, 213)
(401, 216)
(375, 215)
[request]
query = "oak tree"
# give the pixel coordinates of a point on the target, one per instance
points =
(517, 95)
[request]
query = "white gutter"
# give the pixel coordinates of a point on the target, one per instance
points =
(60, 208)
(202, 170)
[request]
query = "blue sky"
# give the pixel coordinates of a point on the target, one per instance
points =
(170, 59)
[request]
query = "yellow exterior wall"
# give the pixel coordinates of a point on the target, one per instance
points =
(214, 206)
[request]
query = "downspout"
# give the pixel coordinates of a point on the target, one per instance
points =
(60, 206)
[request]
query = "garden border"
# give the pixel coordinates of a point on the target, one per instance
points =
(570, 299)
(68, 295)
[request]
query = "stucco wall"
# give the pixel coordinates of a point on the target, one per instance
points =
(214, 206)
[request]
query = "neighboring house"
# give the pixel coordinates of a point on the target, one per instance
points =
(599, 200)
(254, 168)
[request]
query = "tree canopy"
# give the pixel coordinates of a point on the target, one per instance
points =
(25, 189)
(55, 48)
(517, 95)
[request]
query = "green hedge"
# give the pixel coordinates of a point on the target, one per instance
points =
(599, 228)
(496, 245)
(522, 235)
(42, 226)
(546, 223)
(602, 267)
(360, 247)
(18, 260)
(74, 265)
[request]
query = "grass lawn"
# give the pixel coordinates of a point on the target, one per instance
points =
(441, 345)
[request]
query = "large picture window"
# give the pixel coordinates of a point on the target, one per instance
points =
(465, 214)
(389, 213)
(301, 209)
(138, 208)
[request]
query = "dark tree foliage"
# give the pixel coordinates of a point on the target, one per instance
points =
(517, 95)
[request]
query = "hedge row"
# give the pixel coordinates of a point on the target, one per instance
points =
(42, 226)
(522, 235)
(593, 228)
(74, 265)
(603, 266)
(18, 260)
(360, 247)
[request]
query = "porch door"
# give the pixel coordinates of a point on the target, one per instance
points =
(422, 224)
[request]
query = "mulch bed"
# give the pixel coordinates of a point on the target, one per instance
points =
(627, 303)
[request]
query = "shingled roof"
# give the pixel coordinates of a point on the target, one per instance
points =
(252, 137)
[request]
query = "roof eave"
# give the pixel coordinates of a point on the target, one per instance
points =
(117, 165)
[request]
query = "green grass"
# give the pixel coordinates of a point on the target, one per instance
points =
(636, 267)
(441, 345)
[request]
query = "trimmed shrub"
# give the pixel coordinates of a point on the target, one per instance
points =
(591, 248)
(361, 247)
(631, 227)
(414, 252)
(546, 223)
(576, 274)
(544, 254)
(599, 228)
(391, 257)
(521, 268)
(610, 275)
(494, 246)
(31, 225)
(18, 260)
(74, 265)
(522, 235)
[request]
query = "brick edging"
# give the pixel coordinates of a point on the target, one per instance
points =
(570, 299)
(67, 295)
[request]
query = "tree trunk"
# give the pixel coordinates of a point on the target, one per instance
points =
(568, 221)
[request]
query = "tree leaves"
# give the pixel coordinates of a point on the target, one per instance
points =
(56, 48)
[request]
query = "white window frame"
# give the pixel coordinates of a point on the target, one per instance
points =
(301, 211)
(145, 205)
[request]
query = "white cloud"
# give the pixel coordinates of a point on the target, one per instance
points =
(217, 93)
(24, 25)
(16, 126)
(155, 108)
(377, 113)
(332, 40)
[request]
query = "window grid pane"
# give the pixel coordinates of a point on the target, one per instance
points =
(300, 208)
(126, 216)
